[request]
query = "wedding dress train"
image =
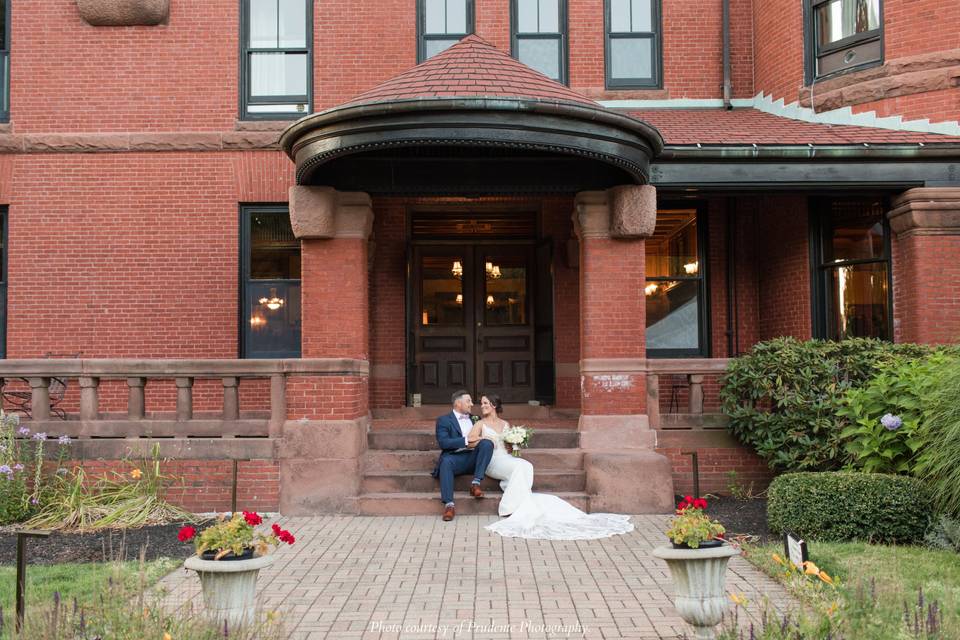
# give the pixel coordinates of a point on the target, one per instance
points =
(540, 515)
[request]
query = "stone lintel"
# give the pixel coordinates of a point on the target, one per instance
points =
(624, 212)
(322, 213)
(123, 13)
(590, 366)
(930, 211)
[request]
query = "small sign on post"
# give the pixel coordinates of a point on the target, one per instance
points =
(21, 604)
(795, 549)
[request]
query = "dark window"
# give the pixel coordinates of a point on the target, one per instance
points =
(675, 288)
(4, 60)
(3, 282)
(539, 32)
(633, 43)
(851, 253)
(270, 284)
(277, 58)
(441, 24)
(843, 35)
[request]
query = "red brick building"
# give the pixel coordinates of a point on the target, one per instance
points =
(265, 231)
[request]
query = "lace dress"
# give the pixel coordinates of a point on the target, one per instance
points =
(540, 515)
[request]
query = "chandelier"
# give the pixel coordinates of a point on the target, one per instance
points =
(493, 271)
(273, 302)
(457, 269)
(691, 267)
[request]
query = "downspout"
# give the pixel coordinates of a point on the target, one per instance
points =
(727, 83)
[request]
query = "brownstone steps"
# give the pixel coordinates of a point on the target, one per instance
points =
(546, 481)
(423, 440)
(429, 424)
(421, 503)
(407, 460)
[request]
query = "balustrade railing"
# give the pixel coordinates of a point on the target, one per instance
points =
(695, 372)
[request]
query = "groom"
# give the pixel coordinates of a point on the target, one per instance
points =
(460, 454)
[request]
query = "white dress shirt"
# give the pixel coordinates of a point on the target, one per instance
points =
(466, 425)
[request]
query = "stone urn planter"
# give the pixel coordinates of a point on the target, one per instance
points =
(698, 579)
(229, 587)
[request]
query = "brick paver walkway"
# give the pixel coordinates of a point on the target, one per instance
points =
(419, 577)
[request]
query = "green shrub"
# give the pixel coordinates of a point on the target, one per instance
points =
(939, 460)
(783, 398)
(944, 534)
(874, 507)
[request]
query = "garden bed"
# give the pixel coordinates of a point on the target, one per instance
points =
(741, 516)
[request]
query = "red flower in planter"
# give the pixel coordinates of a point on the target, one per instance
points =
(186, 534)
(252, 518)
(286, 536)
(699, 503)
(276, 529)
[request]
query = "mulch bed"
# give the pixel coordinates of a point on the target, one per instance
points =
(160, 542)
(741, 516)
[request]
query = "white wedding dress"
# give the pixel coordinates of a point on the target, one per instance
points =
(540, 515)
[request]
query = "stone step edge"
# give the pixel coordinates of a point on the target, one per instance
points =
(543, 472)
(433, 497)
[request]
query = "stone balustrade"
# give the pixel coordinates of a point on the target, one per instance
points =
(695, 370)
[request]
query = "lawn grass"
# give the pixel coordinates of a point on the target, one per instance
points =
(880, 585)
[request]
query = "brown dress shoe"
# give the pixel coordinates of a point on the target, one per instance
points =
(448, 513)
(476, 491)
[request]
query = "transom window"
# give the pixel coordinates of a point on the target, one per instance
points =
(277, 52)
(633, 43)
(852, 269)
(441, 24)
(675, 286)
(843, 34)
(538, 29)
(270, 284)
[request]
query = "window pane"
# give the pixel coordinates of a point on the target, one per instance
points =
(631, 58)
(435, 18)
(456, 16)
(856, 231)
(527, 16)
(860, 301)
(277, 108)
(3, 250)
(542, 55)
(549, 16)
(293, 23)
(3, 25)
(274, 251)
(673, 318)
(619, 16)
(843, 18)
(441, 290)
(672, 251)
(273, 319)
(263, 24)
(641, 18)
(505, 291)
(278, 74)
(433, 47)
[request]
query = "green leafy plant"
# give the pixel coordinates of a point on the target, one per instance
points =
(944, 534)
(737, 489)
(23, 482)
(939, 460)
(691, 526)
(783, 398)
(849, 506)
(235, 535)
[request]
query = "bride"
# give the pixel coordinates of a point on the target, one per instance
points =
(535, 515)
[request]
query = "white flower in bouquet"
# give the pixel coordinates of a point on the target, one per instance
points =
(518, 436)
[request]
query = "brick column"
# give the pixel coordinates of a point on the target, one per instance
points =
(324, 435)
(926, 265)
(614, 429)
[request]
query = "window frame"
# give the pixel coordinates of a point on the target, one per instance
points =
(5, 66)
(245, 213)
(4, 226)
(812, 48)
(423, 36)
(820, 283)
(656, 66)
(562, 36)
(245, 51)
(703, 291)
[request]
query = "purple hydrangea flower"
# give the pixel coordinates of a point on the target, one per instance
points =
(64, 440)
(5, 468)
(891, 422)
(41, 435)
(23, 431)
(18, 467)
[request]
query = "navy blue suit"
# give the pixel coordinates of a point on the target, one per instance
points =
(452, 462)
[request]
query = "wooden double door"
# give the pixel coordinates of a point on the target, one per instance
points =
(472, 321)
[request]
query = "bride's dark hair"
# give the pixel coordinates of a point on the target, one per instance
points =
(495, 401)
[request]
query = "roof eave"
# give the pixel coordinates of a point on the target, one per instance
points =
(810, 151)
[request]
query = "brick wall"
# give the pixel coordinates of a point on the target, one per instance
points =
(936, 106)
(715, 465)
(784, 268)
(926, 289)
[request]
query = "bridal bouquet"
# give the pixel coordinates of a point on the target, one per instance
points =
(518, 437)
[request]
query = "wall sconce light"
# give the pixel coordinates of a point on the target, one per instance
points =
(490, 301)
(691, 267)
(457, 269)
(650, 289)
(459, 298)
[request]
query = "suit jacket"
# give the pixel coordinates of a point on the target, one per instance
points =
(449, 438)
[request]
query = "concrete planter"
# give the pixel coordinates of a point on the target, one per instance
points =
(698, 579)
(229, 587)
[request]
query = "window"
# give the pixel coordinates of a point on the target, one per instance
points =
(4, 60)
(633, 43)
(270, 284)
(277, 58)
(441, 24)
(3, 282)
(675, 294)
(851, 252)
(843, 35)
(538, 32)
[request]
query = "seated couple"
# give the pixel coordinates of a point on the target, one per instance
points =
(479, 450)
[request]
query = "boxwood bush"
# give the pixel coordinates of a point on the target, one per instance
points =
(828, 506)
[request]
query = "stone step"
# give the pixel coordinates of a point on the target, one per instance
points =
(513, 412)
(411, 504)
(407, 460)
(424, 424)
(423, 482)
(424, 440)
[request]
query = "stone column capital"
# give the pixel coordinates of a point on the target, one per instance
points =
(324, 213)
(624, 212)
(591, 215)
(926, 211)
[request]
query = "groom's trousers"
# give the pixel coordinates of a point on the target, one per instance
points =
(474, 461)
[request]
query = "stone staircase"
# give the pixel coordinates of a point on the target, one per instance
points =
(401, 453)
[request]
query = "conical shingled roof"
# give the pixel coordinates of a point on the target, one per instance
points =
(471, 68)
